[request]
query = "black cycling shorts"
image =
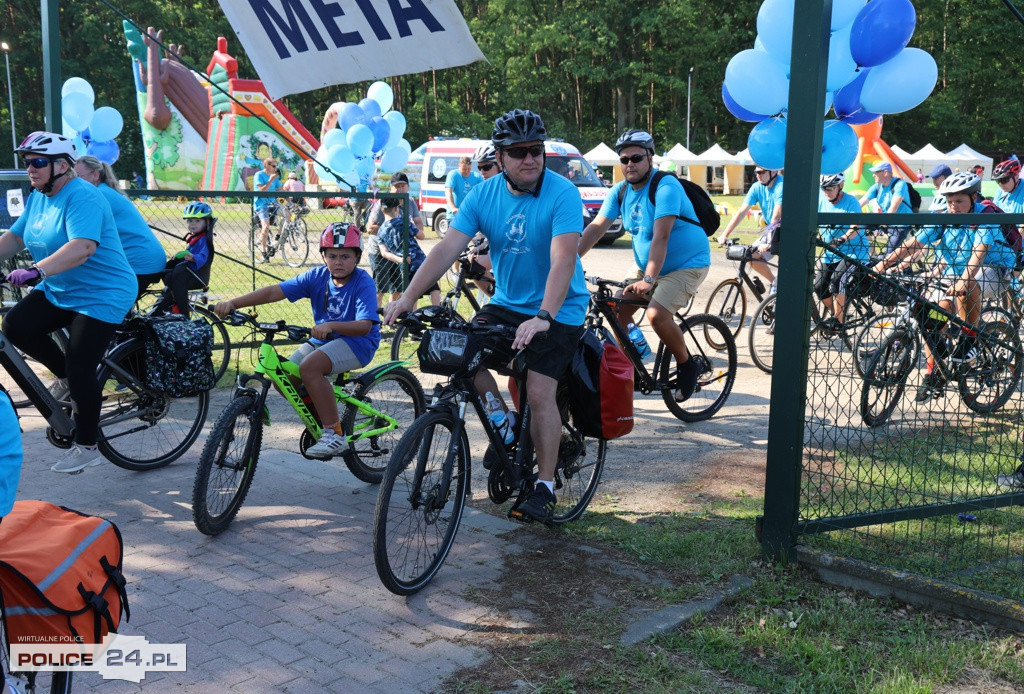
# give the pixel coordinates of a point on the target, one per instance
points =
(549, 353)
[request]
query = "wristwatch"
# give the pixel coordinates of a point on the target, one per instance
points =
(544, 315)
(649, 280)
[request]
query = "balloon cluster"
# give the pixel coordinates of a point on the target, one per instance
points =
(870, 72)
(91, 129)
(367, 135)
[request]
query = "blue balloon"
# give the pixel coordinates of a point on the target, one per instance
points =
(844, 12)
(365, 167)
(396, 121)
(340, 158)
(332, 137)
(351, 114)
(394, 159)
(106, 123)
(828, 101)
(738, 111)
(381, 133)
(360, 140)
(881, 30)
(901, 83)
(106, 151)
(371, 108)
(767, 143)
(319, 160)
(382, 93)
(756, 82)
(77, 110)
(841, 66)
(775, 29)
(78, 84)
(838, 147)
(846, 102)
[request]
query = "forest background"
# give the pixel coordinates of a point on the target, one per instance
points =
(590, 67)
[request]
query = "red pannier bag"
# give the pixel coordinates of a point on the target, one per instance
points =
(600, 381)
(60, 574)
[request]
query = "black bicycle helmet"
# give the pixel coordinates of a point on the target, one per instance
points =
(517, 126)
(634, 138)
(1010, 167)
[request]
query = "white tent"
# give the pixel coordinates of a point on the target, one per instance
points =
(743, 157)
(928, 157)
(903, 154)
(963, 158)
(716, 156)
(682, 156)
(602, 155)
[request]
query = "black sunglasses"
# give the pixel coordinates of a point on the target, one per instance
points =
(521, 152)
(37, 162)
(635, 158)
(1004, 179)
(759, 173)
(485, 167)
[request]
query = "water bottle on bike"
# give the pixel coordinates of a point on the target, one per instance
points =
(638, 339)
(499, 419)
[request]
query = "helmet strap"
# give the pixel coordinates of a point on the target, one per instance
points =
(48, 188)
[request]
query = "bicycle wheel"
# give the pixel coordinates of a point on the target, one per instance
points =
(295, 243)
(886, 376)
(729, 302)
(221, 341)
(141, 428)
(868, 339)
(577, 474)
(398, 395)
(18, 398)
(992, 377)
(761, 338)
(717, 368)
(418, 512)
(227, 465)
(404, 345)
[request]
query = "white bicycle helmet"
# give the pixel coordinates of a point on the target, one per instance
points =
(961, 182)
(827, 181)
(485, 153)
(49, 145)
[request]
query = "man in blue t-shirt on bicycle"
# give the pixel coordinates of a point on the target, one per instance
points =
(671, 252)
(892, 197)
(532, 224)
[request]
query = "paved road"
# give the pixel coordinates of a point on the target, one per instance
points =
(288, 599)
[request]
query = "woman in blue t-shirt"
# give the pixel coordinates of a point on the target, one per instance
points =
(85, 283)
(346, 330)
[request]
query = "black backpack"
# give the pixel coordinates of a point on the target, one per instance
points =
(913, 197)
(707, 216)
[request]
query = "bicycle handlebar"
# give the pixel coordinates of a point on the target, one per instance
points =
(295, 332)
(602, 283)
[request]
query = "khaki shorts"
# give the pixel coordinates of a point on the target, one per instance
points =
(337, 350)
(674, 290)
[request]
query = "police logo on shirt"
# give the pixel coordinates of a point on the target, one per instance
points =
(636, 215)
(515, 232)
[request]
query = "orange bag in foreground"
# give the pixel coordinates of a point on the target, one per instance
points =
(60, 574)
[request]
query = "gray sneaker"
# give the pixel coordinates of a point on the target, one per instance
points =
(1014, 481)
(77, 459)
(329, 445)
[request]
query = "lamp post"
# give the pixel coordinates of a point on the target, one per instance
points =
(689, 76)
(10, 98)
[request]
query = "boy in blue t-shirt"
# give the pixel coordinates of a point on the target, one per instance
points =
(390, 244)
(346, 330)
(189, 269)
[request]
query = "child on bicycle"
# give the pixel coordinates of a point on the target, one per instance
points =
(346, 330)
(189, 269)
(389, 240)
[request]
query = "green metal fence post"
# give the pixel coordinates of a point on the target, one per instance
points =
(50, 11)
(811, 25)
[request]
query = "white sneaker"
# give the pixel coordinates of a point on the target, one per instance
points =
(59, 389)
(329, 445)
(76, 459)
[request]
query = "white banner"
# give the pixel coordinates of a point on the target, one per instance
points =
(300, 45)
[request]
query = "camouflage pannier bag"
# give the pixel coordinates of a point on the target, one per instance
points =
(179, 359)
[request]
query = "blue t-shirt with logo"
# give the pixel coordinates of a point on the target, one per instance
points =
(765, 197)
(11, 454)
(355, 300)
(884, 195)
(857, 247)
(390, 236)
(104, 286)
(461, 185)
(955, 244)
(141, 247)
(519, 229)
(688, 245)
(260, 179)
(1011, 201)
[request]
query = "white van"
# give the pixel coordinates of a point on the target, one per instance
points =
(430, 163)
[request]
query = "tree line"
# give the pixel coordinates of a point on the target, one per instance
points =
(591, 68)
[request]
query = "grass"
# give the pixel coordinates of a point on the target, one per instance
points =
(787, 632)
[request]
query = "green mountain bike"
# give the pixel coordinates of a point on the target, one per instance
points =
(375, 407)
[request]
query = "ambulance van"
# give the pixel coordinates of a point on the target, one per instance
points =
(431, 162)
